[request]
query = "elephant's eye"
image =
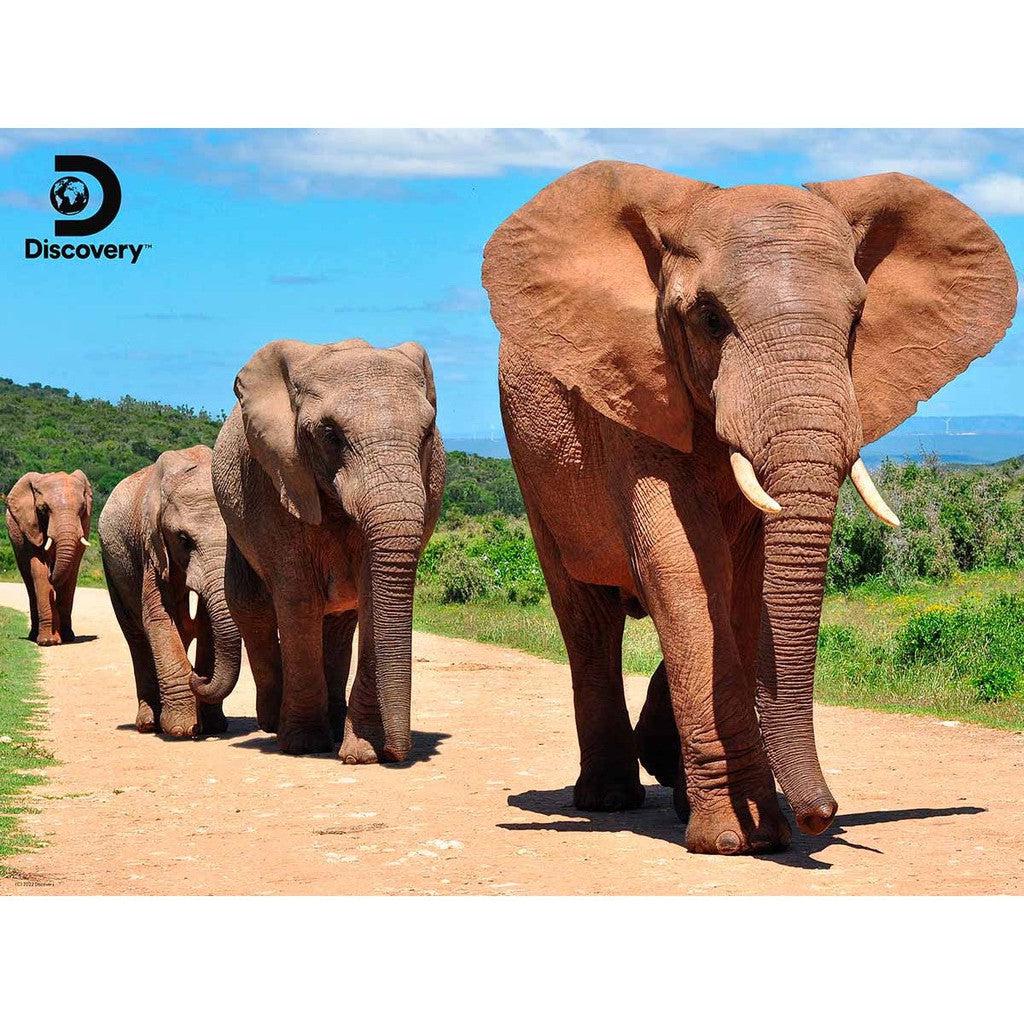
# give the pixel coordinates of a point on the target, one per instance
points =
(184, 540)
(713, 321)
(334, 435)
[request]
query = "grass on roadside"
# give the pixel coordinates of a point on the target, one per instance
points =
(21, 755)
(967, 665)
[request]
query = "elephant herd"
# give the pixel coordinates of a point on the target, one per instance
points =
(686, 374)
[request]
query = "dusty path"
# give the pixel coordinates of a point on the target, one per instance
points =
(486, 805)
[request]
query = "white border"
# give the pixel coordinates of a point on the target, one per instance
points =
(535, 63)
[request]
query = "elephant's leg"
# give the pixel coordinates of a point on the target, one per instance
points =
(363, 738)
(25, 568)
(338, 632)
(304, 727)
(684, 566)
(592, 619)
(147, 689)
(657, 737)
(48, 629)
(212, 721)
(252, 608)
(65, 604)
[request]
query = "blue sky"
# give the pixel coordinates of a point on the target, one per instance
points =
(323, 235)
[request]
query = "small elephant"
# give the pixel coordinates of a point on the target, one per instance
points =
(48, 521)
(329, 472)
(163, 539)
(687, 374)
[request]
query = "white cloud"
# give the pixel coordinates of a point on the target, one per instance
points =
(309, 157)
(304, 161)
(998, 193)
(12, 140)
(944, 154)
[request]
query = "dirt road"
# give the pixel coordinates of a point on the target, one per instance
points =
(485, 807)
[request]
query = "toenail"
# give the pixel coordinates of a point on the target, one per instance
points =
(727, 842)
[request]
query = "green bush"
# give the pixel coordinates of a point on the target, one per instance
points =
(995, 683)
(930, 637)
(837, 641)
(954, 519)
(981, 642)
(482, 557)
(461, 578)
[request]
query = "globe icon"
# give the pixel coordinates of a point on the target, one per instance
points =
(69, 196)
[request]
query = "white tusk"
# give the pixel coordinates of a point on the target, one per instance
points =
(193, 603)
(48, 544)
(746, 480)
(85, 543)
(866, 488)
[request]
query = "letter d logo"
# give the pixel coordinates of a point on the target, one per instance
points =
(105, 215)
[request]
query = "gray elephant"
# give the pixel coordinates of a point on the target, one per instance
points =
(163, 538)
(48, 520)
(329, 473)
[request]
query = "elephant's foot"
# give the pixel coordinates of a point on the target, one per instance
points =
(656, 733)
(179, 724)
(657, 744)
(48, 639)
(716, 828)
(363, 742)
(304, 736)
(268, 712)
(609, 788)
(356, 750)
(212, 721)
(145, 720)
(336, 715)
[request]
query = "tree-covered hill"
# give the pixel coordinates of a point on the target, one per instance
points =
(478, 485)
(47, 429)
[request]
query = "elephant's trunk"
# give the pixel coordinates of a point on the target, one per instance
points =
(795, 556)
(394, 522)
(795, 445)
(66, 533)
(227, 643)
(178, 715)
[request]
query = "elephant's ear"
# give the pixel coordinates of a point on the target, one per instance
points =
(573, 279)
(418, 354)
(87, 489)
(941, 291)
(268, 403)
(152, 510)
(21, 503)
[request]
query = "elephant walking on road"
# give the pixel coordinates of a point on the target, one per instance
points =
(48, 520)
(687, 374)
(329, 473)
(163, 538)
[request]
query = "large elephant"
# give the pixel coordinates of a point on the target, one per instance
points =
(163, 539)
(669, 347)
(48, 521)
(330, 472)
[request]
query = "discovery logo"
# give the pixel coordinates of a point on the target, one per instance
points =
(70, 196)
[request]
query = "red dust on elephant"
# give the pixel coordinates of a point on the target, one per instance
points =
(687, 375)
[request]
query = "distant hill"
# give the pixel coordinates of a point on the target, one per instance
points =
(44, 428)
(968, 440)
(491, 447)
(47, 429)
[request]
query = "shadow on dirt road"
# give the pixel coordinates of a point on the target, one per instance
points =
(657, 819)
